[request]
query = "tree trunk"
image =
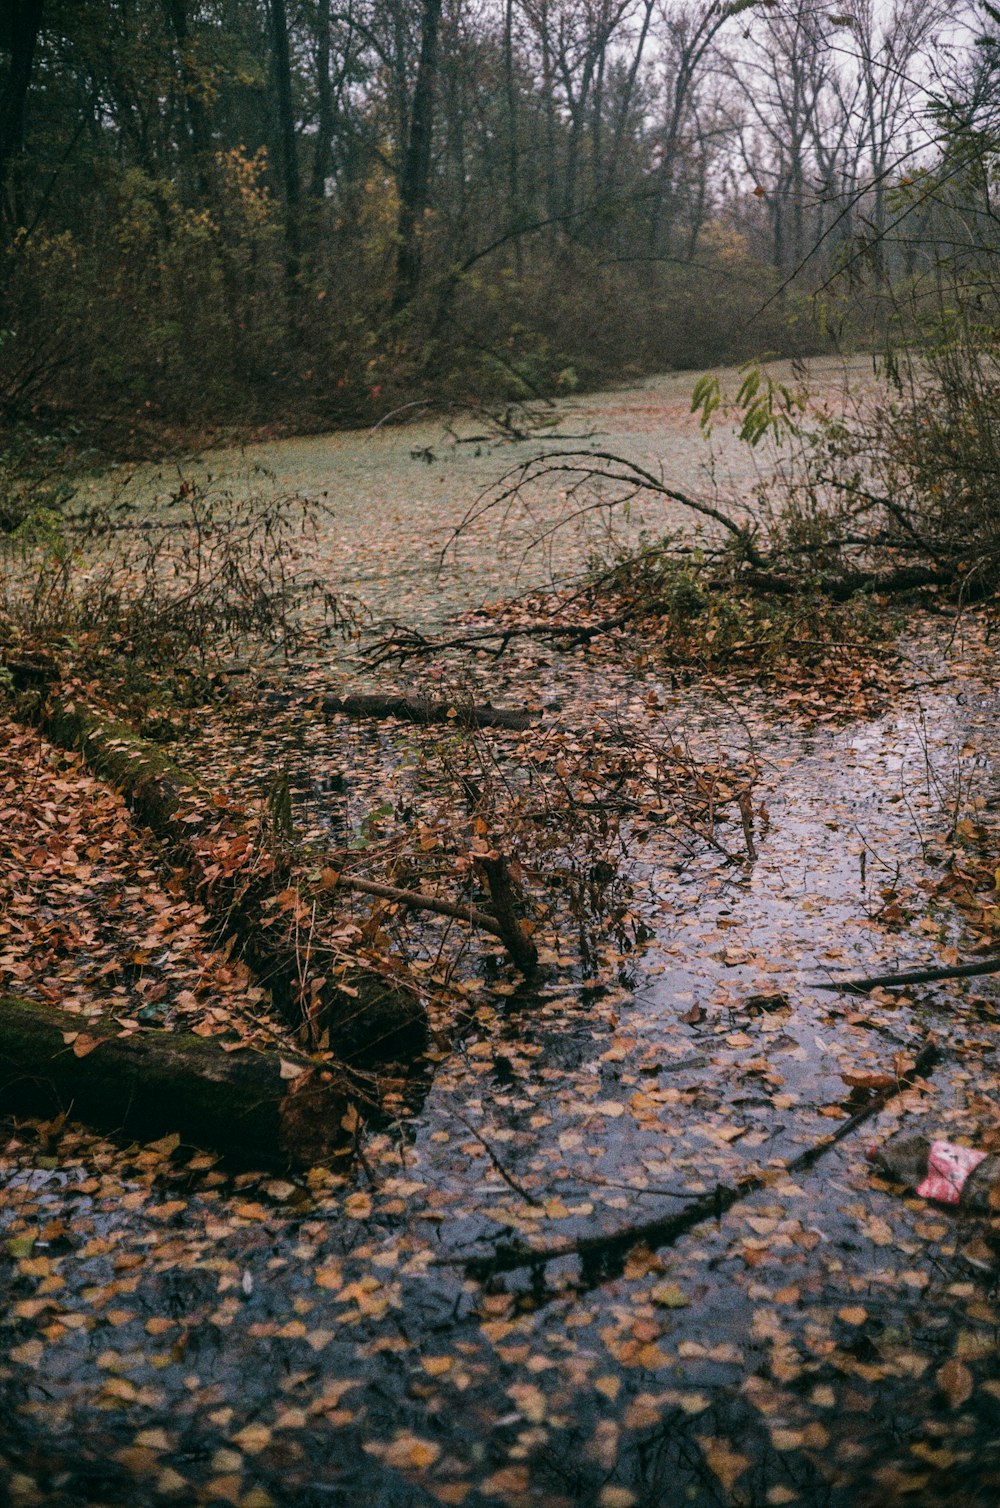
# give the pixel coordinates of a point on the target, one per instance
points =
(282, 67)
(513, 165)
(199, 133)
(258, 1109)
(324, 103)
(414, 183)
(22, 25)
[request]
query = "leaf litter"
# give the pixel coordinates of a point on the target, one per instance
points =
(175, 1334)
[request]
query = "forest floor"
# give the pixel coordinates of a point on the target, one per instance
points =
(173, 1333)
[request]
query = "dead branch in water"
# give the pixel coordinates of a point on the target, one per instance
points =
(912, 976)
(603, 1248)
(403, 643)
(416, 900)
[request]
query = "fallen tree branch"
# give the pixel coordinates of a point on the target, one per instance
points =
(416, 900)
(603, 1249)
(842, 587)
(416, 709)
(258, 1109)
(598, 465)
(509, 926)
(407, 644)
(912, 976)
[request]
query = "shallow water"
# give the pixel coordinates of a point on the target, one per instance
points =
(256, 1346)
(398, 493)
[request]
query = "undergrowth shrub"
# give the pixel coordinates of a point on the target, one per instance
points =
(136, 582)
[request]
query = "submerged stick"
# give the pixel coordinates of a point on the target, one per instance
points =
(602, 1248)
(913, 976)
(416, 900)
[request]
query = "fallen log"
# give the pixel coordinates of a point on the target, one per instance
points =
(257, 1109)
(416, 709)
(167, 799)
(848, 584)
(368, 1017)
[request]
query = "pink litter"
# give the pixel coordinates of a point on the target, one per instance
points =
(941, 1170)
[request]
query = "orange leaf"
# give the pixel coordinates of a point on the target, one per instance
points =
(955, 1381)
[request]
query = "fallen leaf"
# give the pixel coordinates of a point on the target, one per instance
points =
(727, 1464)
(955, 1381)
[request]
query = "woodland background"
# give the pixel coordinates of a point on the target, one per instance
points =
(306, 212)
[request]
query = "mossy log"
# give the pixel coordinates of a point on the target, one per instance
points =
(368, 1018)
(157, 790)
(257, 1109)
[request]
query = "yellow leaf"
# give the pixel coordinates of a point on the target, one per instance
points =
(153, 1439)
(253, 1438)
(29, 1354)
(670, 1295)
(278, 1188)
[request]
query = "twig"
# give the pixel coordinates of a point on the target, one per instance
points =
(405, 644)
(507, 1176)
(923, 1063)
(746, 817)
